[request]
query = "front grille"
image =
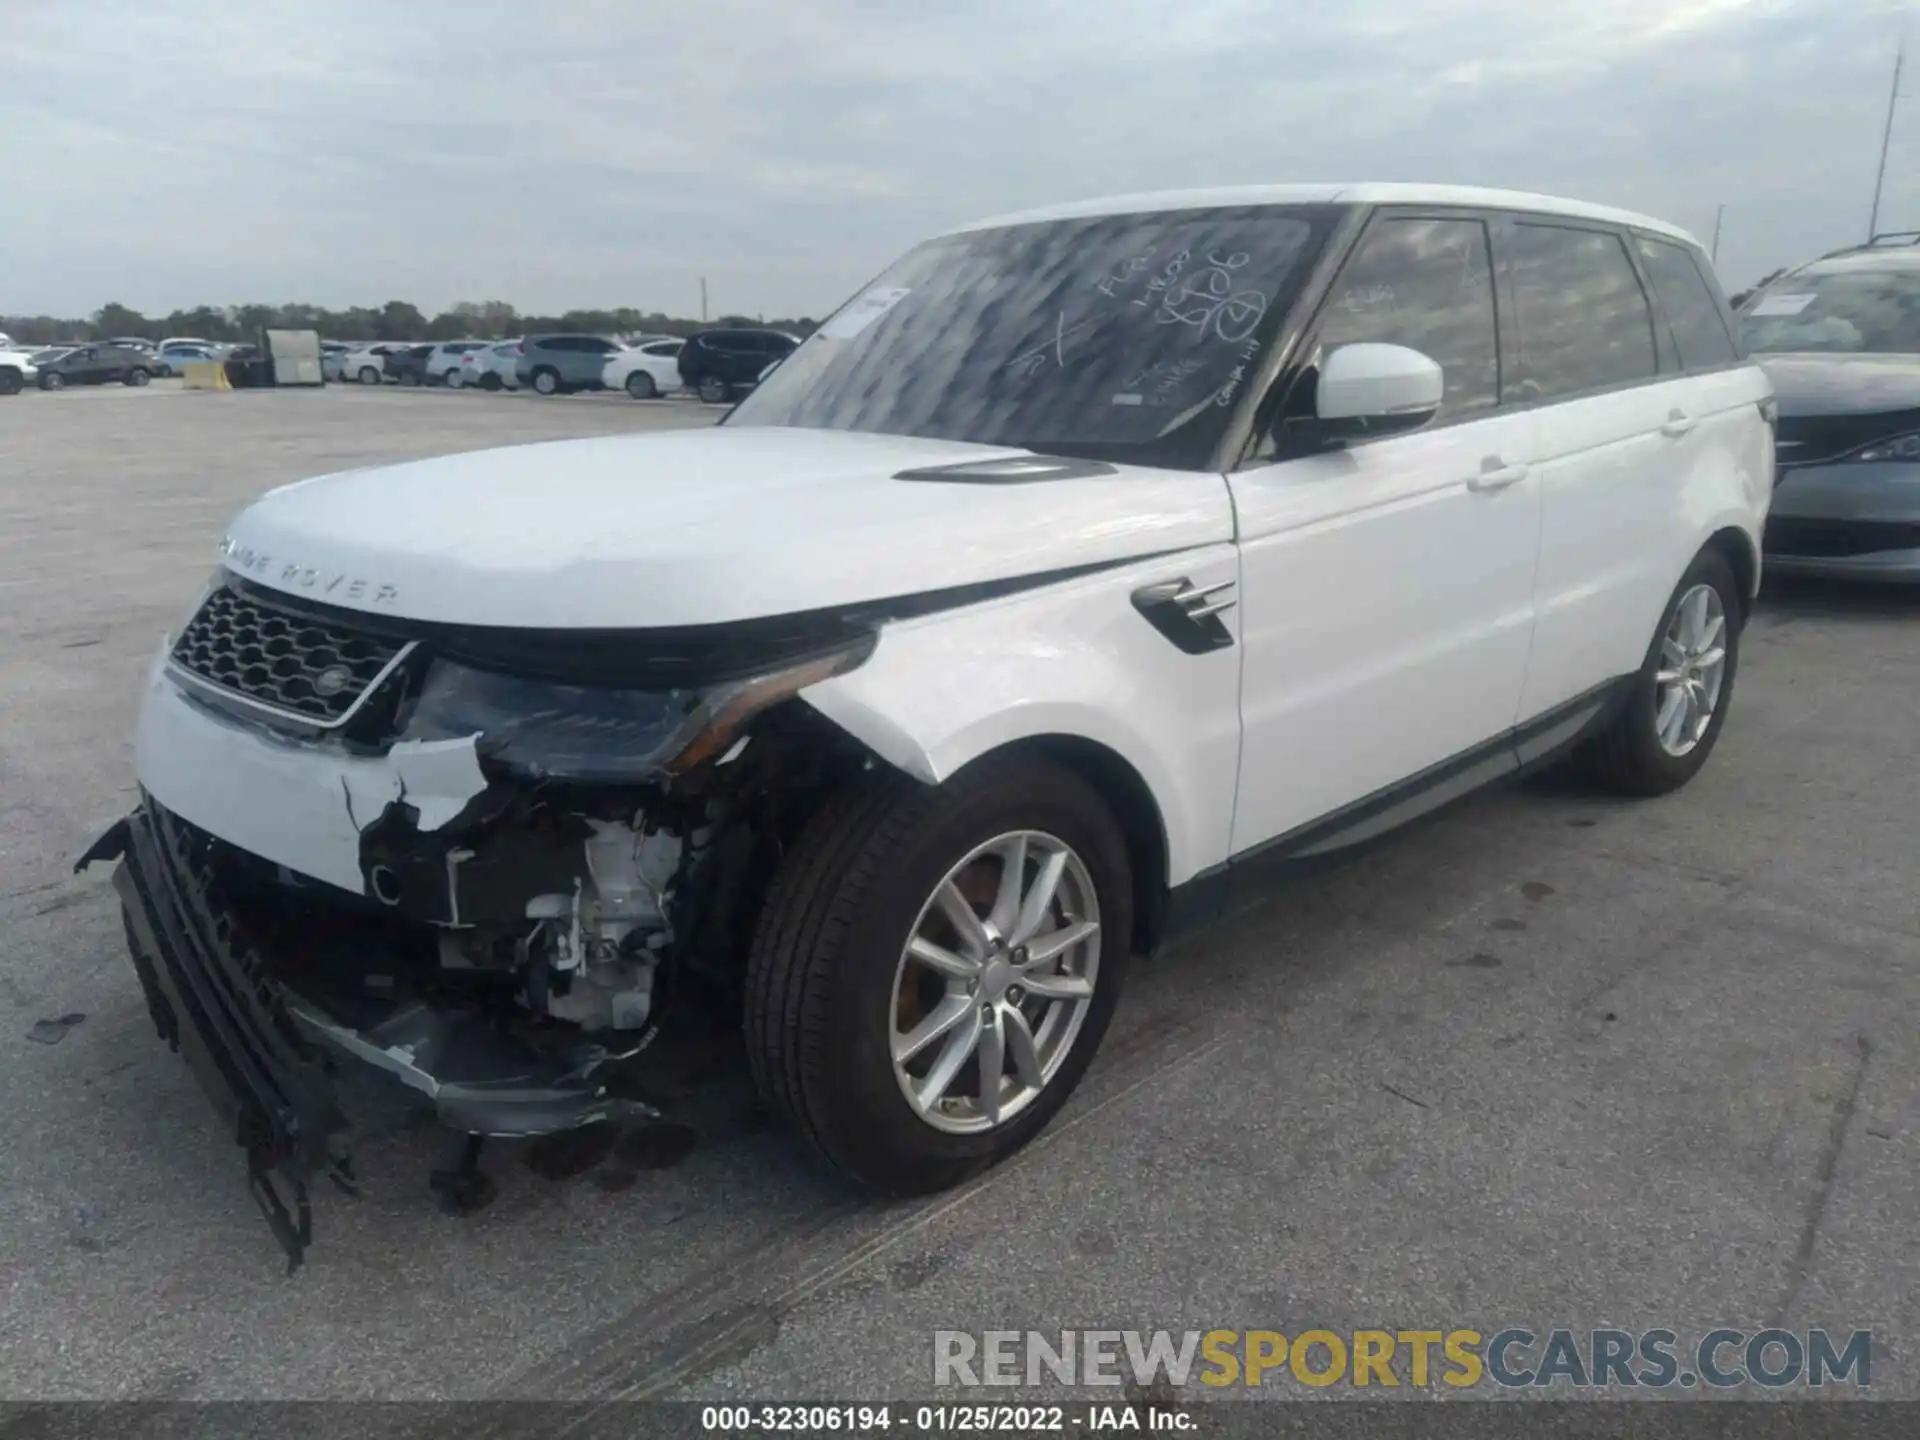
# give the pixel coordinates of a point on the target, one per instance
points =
(317, 670)
(1835, 539)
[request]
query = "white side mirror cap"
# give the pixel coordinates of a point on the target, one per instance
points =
(1378, 388)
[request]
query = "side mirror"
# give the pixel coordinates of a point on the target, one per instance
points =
(1368, 390)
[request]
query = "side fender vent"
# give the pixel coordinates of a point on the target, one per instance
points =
(1188, 614)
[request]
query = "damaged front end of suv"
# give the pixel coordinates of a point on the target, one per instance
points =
(484, 861)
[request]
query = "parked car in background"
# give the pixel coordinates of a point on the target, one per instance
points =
(720, 365)
(173, 360)
(444, 359)
(17, 368)
(332, 353)
(494, 367)
(555, 364)
(136, 342)
(98, 364)
(1841, 340)
(368, 363)
(644, 371)
(407, 364)
(187, 340)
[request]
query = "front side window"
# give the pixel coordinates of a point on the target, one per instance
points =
(1121, 336)
(1845, 308)
(1691, 306)
(1584, 321)
(1427, 285)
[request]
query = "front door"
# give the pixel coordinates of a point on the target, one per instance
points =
(1387, 586)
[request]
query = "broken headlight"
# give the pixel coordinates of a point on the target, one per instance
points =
(609, 734)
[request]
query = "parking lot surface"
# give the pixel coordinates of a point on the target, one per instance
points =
(1551, 1059)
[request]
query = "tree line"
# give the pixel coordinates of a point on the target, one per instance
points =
(395, 320)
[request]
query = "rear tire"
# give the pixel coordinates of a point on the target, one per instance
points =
(369, 375)
(1639, 755)
(546, 381)
(715, 391)
(490, 382)
(137, 377)
(641, 387)
(12, 382)
(830, 989)
(52, 382)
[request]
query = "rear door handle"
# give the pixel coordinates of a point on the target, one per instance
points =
(1495, 474)
(1678, 423)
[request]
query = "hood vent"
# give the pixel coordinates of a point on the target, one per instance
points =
(1011, 470)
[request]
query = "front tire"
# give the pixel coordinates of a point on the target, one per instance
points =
(918, 939)
(546, 381)
(137, 377)
(369, 375)
(1678, 701)
(714, 390)
(11, 380)
(641, 387)
(52, 381)
(490, 382)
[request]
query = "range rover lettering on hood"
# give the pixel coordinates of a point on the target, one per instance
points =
(703, 527)
(291, 575)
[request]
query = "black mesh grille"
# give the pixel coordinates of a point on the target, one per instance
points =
(281, 658)
(1835, 539)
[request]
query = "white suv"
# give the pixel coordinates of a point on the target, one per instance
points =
(1087, 569)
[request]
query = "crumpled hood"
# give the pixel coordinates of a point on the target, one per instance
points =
(696, 527)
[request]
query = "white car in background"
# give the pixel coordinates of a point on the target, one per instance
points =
(646, 371)
(445, 360)
(492, 367)
(17, 370)
(367, 364)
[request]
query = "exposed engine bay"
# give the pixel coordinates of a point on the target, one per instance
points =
(528, 875)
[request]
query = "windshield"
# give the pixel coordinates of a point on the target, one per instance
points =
(1123, 336)
(1850, 310)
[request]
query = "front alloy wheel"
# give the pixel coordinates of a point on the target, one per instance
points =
(989, 997)
(935, 965)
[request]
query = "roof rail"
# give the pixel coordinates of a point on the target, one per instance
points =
(1895, 237)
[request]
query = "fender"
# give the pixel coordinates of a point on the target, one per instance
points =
(1076, 659)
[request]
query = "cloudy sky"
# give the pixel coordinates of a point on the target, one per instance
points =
(611, 152)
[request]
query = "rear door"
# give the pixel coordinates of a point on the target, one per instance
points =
(1599, 381)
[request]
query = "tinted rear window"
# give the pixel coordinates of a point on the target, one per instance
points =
(1584, 320)
(1692, 308)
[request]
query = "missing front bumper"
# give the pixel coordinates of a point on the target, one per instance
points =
(265, 1054)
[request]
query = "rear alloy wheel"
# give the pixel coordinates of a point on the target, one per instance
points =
(137, 376)
(369, 375)
(714, 390)
(11, 380)
(52, 380)
(1678, 701)
(546, 381)
(934, 969)
(641, 387)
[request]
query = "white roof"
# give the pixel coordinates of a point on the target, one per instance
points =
(1362, 193)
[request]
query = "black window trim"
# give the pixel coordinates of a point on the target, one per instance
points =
(1656, 316)
(1715, 292)
(1299, 341)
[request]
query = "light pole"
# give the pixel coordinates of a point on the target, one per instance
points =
(1886, 137)
(1718, 215)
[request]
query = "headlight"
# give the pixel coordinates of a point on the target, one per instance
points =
(603, 733)
(1901, 447)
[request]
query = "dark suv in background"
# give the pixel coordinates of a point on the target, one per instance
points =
(721, 364)
(97, 364)
(551, 364)
(408, 364)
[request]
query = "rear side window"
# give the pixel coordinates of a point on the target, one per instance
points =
(1584, 320)
(665, 347)
(1691, 307)
(1428, 285)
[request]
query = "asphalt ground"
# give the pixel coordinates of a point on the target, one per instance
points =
(1550, 1059)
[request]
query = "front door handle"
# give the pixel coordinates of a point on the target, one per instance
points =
(1495, 475)
(1678, 423)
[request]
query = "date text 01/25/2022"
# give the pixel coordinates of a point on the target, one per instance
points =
(963, 1419)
